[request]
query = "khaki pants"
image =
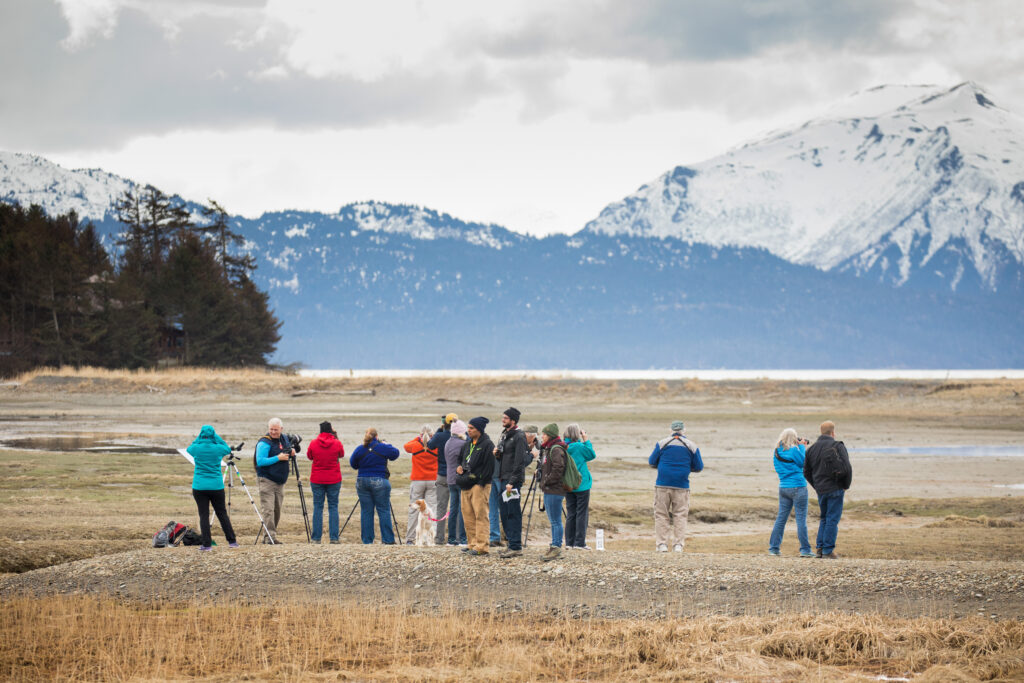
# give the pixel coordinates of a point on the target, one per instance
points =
(474, 514)
(671, 508)
(271, 500)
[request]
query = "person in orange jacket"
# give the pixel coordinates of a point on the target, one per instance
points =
(424, 474)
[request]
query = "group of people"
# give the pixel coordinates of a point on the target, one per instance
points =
(476, 487)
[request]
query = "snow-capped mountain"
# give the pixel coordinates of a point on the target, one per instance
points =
(901, 183)
(27, 179)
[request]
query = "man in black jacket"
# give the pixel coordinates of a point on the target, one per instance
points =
(477, 460)
(827, 468)
(437, 442)
(511, 454)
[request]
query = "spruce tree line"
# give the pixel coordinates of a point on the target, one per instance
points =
(175, 292)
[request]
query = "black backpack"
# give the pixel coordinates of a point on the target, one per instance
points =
(832, 463)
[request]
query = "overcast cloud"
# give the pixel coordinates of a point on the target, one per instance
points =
(531, 114)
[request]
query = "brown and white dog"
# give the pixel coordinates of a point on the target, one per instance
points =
(425, 529)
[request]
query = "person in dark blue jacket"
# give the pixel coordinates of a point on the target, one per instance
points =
(372, 486)
(788, 458)
(675, 457)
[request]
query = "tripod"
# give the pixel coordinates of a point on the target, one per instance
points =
(530, 493)
(233, 472)
(302, 498)
(393, 520)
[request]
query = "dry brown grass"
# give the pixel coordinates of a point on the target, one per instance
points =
(89, 638)
(959, 522)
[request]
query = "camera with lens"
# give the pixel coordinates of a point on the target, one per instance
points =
(295, 441)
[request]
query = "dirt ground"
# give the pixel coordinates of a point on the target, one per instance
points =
(934, 527)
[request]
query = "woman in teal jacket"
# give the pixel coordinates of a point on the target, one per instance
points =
(577, 503)
(208, 484)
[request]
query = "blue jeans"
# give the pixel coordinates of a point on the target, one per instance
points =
(553, 506)
(319, 492)
(494, 510)
(375, 493)
(790, 498)
(831, 506)
(456, 525)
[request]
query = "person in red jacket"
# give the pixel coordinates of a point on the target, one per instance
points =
(326, 453)
(424, 474)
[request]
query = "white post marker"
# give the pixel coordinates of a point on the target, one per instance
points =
(599, 540)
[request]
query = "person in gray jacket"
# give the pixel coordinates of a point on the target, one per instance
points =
(452, 449)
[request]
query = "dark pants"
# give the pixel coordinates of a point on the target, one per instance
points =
(456, 525)
(203, 501)
(577, 506)
(512, 520)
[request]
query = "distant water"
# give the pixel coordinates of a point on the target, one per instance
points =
(706, 375)
(956, 451)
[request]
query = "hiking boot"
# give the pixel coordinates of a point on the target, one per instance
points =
(508, 552)
(831, 556)
(773, 551)
(808, 554)
(678, 547)
(204, 548)
(817, 552)
(335, 541)
(495, 544)
(662, 548)
(553, 553)
(232, 545)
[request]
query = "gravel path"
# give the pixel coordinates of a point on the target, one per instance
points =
(613, 584)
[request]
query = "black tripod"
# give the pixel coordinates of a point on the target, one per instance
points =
(231, 462)
(530, 493)
(302, 499)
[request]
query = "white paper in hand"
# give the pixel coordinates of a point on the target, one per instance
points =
(507, 495)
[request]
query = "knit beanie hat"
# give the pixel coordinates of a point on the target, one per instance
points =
(531, 429)
(513, 414)
(550, 430)
(459, 429)
(325, 427)
(678, 426)
(480, 423)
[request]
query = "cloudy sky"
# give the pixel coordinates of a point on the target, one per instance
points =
(530, 114)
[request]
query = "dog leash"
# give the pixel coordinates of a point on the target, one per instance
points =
(442, 519)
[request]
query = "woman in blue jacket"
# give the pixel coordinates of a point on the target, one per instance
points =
(788, 457)
(372, 486)
(577, 503)
(208, 484)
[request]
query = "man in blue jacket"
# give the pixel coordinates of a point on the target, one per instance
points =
(271, 460)
(675, 457)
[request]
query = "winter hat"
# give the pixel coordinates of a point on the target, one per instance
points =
(513, 414)
(551, 430)
(531, 429)
(459, 429)
(480, 423)
(325, 427)
(678, 426)
(450, 418)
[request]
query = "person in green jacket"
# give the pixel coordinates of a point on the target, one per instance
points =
(208, 484)
(577, 503)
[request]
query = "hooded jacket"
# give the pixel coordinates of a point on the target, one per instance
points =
(552, 468)
(326, 452)
(208, 450)
(424, 461)
(582, 452)
(452, 449)
(437, 443)
(478, 459)
(789, 465)
(372, 460)
(675, 457)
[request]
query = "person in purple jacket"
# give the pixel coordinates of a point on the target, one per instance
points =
(452, 449)
(370, 459)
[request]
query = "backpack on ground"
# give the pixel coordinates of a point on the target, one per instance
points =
(190, 537)
(832, 462)
(170, 534)
(572, 478)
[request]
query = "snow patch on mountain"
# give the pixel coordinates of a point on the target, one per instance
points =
(27, 179)
(840, 191)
